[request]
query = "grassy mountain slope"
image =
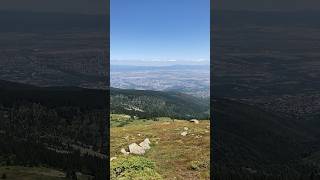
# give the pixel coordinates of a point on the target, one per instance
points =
(175, 156)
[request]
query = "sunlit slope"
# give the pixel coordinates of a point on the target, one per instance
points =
(175, 156)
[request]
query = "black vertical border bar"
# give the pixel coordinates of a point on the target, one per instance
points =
(212, 127)
(107, 115)
(108, 92)
(103, 171)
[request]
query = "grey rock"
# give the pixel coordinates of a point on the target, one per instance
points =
(145, 144)
(134, 148)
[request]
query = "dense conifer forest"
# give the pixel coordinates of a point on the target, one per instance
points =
(61, 128)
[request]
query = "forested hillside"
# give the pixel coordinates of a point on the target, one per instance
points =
(59, 127)
(149, 104)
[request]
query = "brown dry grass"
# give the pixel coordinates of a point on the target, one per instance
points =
(173, 154)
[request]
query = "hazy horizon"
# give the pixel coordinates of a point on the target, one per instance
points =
(158, 62)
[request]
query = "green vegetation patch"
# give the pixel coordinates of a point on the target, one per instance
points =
(198, 165)
(133, 167)
(30, 173)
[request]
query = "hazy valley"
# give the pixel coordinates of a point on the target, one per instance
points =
(60, 53)
(189, 79)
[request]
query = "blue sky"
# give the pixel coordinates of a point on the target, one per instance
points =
(160, 31)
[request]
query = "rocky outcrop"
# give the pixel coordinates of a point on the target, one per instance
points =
(134, 148)
(140, 149)
(145, 144)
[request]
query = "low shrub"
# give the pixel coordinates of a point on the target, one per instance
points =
(197, 165)
(133, 167)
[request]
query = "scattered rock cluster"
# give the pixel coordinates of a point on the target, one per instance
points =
(140, 149)
(185, 132)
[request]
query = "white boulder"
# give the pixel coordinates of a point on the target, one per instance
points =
(134, 148)
(184, 133)
(145, 144)
(195, 121)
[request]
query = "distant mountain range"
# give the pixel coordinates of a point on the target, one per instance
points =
(167, 67)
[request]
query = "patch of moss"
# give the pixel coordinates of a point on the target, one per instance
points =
(133, 167)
